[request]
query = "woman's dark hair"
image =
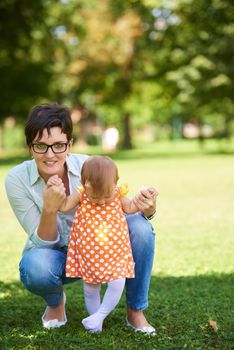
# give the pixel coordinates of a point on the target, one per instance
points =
(46, 116)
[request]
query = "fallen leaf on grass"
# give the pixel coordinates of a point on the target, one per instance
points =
(213, 324)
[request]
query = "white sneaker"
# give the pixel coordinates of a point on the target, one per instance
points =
(147, 330)
(54, 323)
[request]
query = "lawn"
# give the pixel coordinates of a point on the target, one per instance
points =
(192, 281)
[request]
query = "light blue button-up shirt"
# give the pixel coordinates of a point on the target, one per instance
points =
(24, 187)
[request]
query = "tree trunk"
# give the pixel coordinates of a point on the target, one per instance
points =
(1, 137)
(227, 127)
(127, 140)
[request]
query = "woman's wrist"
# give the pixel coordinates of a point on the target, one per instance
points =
(149, 214)
(50, 210)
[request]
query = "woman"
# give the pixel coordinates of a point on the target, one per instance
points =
(48, 132)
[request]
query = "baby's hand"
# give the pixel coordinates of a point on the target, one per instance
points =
(148, 192)
(54, 181)
(153, 192)
(145, 200)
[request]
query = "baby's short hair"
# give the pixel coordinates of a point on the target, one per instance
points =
(101, 173)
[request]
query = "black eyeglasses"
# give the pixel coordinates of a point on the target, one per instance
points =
(58, 147)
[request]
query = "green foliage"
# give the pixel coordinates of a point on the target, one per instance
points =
(199, 68)
(23, 69)
(142, 59)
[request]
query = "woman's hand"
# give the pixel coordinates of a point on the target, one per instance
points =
(54, 194)
(145, 200)
(54, 181)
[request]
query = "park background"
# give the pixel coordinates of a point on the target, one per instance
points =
(161, 72)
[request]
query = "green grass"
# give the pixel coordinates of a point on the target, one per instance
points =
(192, 280)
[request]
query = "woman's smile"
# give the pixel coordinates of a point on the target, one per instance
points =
(50, 163)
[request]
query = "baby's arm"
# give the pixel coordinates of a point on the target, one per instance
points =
(70, 202)
(140, 204)
(129, 207)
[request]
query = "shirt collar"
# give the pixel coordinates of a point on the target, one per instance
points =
(34, 174)
(71, 167)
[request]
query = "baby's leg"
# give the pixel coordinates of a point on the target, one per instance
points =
(111, 298)
(92, 297)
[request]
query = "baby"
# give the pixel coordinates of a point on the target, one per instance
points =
(99, 248)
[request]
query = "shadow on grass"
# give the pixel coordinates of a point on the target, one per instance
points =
(13, 160)
(135, 154)
(138, 154)
(180, 308)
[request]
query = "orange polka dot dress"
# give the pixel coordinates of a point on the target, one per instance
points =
(99, 248)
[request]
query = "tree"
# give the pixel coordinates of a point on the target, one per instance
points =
(198, 73)
(24, 48)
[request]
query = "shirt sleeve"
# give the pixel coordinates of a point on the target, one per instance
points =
(26, 210)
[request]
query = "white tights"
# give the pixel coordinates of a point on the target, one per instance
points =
(99, 311)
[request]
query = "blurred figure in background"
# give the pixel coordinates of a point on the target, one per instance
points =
(110, 139)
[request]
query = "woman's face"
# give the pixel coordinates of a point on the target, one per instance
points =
(50, 163)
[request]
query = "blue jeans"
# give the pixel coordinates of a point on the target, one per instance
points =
(42, 270)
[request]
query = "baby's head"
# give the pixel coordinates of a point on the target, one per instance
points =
(99, 176)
